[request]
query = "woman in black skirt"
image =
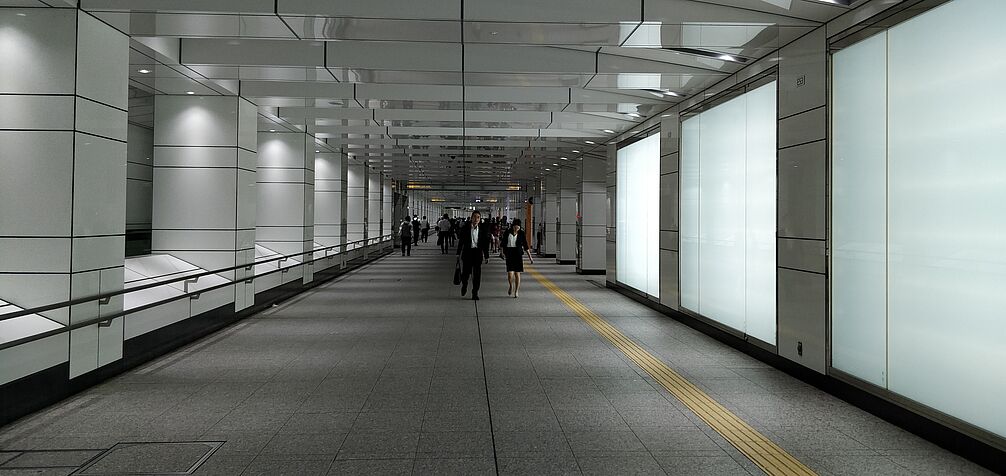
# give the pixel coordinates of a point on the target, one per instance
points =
(514, 245)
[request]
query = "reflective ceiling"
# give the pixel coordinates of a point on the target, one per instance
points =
(450, 91)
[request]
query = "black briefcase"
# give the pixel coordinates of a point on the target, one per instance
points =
(457, 272)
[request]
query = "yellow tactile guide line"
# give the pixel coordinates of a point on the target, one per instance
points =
(760, 450)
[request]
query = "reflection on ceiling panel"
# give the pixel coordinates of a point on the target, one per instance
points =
(437, 90)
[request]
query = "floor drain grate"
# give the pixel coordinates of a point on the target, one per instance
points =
(151, 458)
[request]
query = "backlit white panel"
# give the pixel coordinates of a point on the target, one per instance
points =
(728, 213)
(945, 186)
(638, 229)
(858, 217)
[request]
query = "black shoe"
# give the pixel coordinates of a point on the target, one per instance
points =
(464, 288)
(475, 297)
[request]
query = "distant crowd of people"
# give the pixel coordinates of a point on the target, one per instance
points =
(476, 240)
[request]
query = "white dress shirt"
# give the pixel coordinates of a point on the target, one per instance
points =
(511, 241)
(475, 237)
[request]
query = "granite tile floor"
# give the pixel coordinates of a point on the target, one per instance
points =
(388, 370)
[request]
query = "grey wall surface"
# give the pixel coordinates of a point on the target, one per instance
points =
(802, 207)
(566, 203)
(139, 177)
(670, 141)
(592, 198)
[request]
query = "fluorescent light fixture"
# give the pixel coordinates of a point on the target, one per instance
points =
(555, 165)
(190, 92)
(576, 152)
(590, 142)
(634, 114)
(546, 168)
(609, 131)
(564, 158)
(317, 151)
(272, 130)
(727, 58)
(143, 71)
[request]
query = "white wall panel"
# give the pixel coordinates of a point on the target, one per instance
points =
(638, 224)
(37, 169)
(944, 224)
(41, 48)
(858, 212)
(728, 214)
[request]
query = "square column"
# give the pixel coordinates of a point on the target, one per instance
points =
(565, 243)
(330, 199)
(285, 212)
(375, 204)
(550, 214)
(205, 185)
(63, 94)
(388, 212)
(356, 202)
(593, 215)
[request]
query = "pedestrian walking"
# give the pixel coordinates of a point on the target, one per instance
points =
(514, 248)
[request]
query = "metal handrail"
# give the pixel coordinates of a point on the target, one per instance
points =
(247, 267)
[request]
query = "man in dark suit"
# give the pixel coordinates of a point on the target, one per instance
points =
(473, 247)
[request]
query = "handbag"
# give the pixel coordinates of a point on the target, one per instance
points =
(457, 272)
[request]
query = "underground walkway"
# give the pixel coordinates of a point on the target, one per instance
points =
(388, 370)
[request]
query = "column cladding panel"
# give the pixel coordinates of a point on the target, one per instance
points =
(802, 204)
(550, 213)
(566, 203)
(63, 143)
(329, 199)
(375, 203)
(670, 142)
(593, 215)
(285, 209)
(356, 202)
(205, 185)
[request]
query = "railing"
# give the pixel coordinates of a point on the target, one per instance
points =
(105, 298)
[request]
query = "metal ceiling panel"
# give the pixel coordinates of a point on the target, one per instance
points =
(297, 89)
(197, 51)
(342, 28)
(401, 9)
(552, 34)
(517, 94)
(526, 59)
(395, 55)
(264, 73)
(409, 92)
(814, 10)
(182, 6)
(197, 25)
(554, 11)
(679, 12)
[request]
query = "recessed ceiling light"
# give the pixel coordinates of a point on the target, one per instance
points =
(272, 130)
(556, 165)
(634, 114)
(590, 142)
(143, 71)
(576, 152)
(190, 92)
(564, 158)
(609, 131)
(546, 168)
(727, 58)
(22, 14)
(317, 151)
